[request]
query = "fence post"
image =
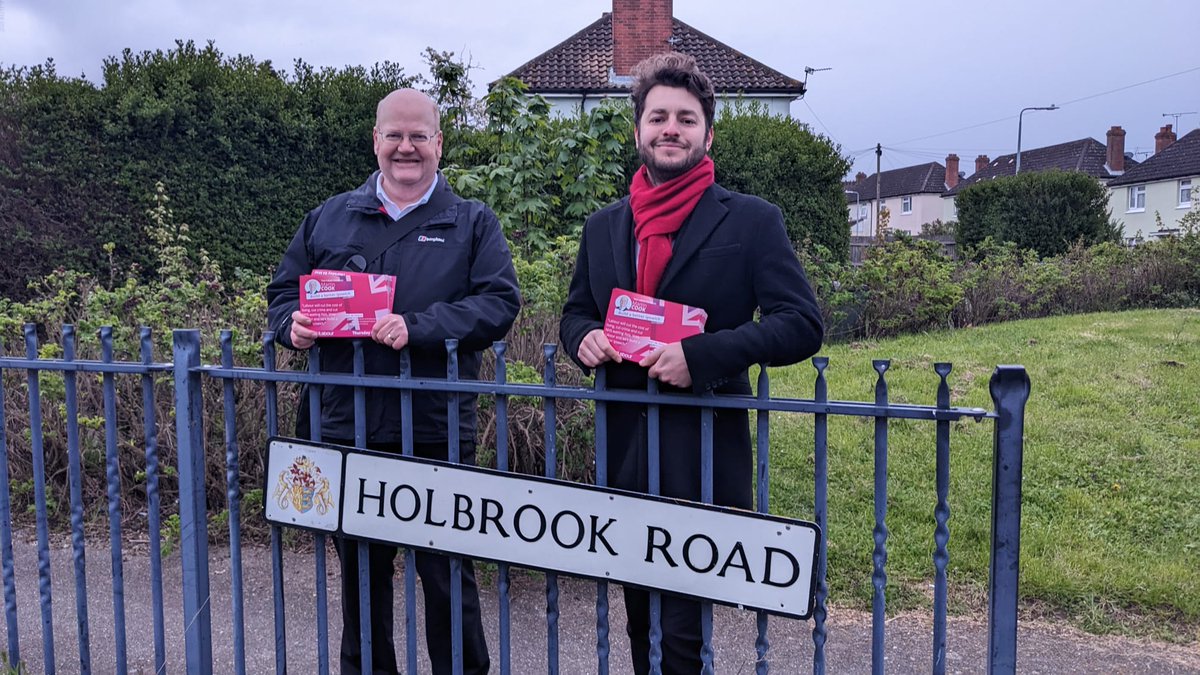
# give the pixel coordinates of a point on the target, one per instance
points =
(193, 516)
(1010, 391)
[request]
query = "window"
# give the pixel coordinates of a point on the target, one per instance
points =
(1137, 198)
(882, 205)
(906, 205)
(1185, 192)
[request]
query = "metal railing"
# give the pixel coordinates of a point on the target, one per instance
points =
(1009, 389)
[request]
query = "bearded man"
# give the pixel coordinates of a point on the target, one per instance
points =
(681, 237)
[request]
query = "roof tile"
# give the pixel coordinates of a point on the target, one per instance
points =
(1178, 160)
(582, 63)
(909, 180)
(1086, 154)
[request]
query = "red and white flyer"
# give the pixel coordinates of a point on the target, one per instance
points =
(638, 324)
(345, 304)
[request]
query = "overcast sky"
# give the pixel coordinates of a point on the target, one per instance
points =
(922, 78)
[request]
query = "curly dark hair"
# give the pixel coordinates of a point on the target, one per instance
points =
(672, 69)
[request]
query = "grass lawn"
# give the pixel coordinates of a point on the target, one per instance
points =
(1111, 509)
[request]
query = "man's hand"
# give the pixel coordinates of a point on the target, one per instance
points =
(668, 364)
(302, 336)
(391, 331)
(595, 349)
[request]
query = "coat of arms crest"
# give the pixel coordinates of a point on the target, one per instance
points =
(302, 486)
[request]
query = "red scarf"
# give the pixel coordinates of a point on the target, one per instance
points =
(658, 213)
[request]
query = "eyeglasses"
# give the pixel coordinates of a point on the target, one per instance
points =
(414, 138)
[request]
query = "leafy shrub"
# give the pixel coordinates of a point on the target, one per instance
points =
(939, 228)
(779, 159)
(542, 175)
(831, 281)
(187, 290)
(906, 285)
(245, 149)
(1047, 211)
(1001, 282)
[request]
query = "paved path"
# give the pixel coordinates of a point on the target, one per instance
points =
(1042, 648)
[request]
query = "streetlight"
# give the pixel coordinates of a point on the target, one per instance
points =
(1019, 120)
(857, 208)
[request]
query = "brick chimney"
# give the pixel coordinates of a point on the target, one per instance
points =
(981, 163)
(1116, 150)
(1163, 138)
(640, 29)
(951, 171)
(860, 177)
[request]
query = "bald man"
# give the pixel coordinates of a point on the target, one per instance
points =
(454, 279)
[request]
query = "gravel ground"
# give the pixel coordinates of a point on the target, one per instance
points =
(1042, 647)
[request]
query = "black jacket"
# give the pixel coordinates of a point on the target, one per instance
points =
(731, 258)
(454, 279)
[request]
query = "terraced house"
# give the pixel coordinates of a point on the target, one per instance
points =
(912, 196)
(1150, 198)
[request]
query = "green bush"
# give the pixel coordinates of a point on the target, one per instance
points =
(1047, 211)
(185, 290)
(831, 280)
(245, 149)
(906, 285)
(779, 159)
(1001, 282)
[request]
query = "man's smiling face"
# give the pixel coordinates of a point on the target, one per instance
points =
(672, 134)
(408, 144)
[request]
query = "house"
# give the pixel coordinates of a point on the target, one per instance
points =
(1163, 185)
(912, 195)
(578, 73)
(1104, 162)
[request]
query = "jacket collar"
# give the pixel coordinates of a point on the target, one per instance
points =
(364, 199)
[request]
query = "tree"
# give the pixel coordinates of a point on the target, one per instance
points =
(1047, 211)
(781, 160)
(544, 175)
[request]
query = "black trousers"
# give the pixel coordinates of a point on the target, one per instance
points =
(434, 571)
(681, 640)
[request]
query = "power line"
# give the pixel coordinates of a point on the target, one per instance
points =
(955, 131)
(1075, 100)
(1131, 86)
(818, 118)
(944, 151)
(917, 155)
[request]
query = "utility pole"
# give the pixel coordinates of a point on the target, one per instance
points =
(878, 161)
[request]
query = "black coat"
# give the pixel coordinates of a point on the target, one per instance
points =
(731, 257)
(454, 279)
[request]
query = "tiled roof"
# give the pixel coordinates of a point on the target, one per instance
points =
(1086, 154)
(1178, 160)
(582, 63)
(910, 180)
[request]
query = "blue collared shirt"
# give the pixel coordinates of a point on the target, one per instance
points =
(394, 211)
